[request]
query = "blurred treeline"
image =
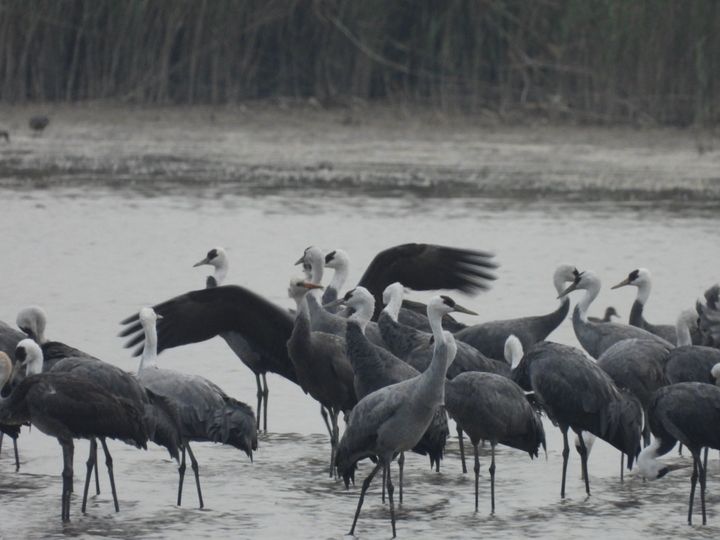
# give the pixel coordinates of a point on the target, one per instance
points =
(596, 60)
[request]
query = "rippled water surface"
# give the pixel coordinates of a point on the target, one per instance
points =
(93, 254)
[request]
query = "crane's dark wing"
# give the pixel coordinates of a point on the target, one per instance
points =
(425, 267)
(200, 315)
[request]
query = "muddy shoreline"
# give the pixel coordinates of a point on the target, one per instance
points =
(375, 150)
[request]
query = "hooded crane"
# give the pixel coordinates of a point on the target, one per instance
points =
(375, 368)
(218, 259)
(642, 279)
(226, 310)
(415, 346)
(67, 407)
(393, 419)
(490, 337)
(411, 313)
(9, 338)
(493, 408)
(709, 317)
(689, 413)
(609, 314)
(160, 418)
(205, 412)
(321, 364)
(578, 395)
(427, 267)
(596, 338)
(688, 362)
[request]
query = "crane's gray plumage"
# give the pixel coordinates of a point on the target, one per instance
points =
(689, 413)
(393, 419)
(321, 364)
(709, 317)
(596, 338)
(242, 347)
(686, 362)
(577, 394)
(415, 346)
(160, 419)
(205, 412)
(67, 407)
(493, 408)
(637, 365)
(642, 279)
(490, 337)
(375, 368)
(9, 338)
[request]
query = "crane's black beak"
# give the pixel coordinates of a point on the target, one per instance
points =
(200, 263)
(624, 282)
(461, 309)
(570, 289)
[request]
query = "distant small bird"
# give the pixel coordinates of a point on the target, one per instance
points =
(38, 123)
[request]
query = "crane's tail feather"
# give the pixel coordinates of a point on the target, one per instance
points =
(234, 424)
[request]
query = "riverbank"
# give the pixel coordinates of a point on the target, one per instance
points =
(283, 145)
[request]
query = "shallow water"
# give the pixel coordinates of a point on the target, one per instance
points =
(92, 254)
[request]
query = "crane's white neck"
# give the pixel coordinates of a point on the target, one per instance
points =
(393, 306)
(340, 276)
(149, 354)
(682, 329)
(34, 362)
(592, 289)
(513, 351)
(435, 314)
(363, 312)
(643, 291)
(648, 463)
(221, 271)
(302, 305)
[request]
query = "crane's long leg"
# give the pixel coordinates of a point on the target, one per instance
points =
(88, 475)
(705, 457)
(334, 437)
(476, 469)
(384, 483)
(565, 455)
(2, 436)
(67, 476)
(492, 479)
(17, 456)
(401, 468)
(97, 475)
(582, 450)
(365, 486)
(622, 467)
(693, 482)
(390, 489)
(109, 465)
(259, 399)
(462, 447)
(266, 393)
(324, 415)
(181, 472)
(702, 474)
(196, 470)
